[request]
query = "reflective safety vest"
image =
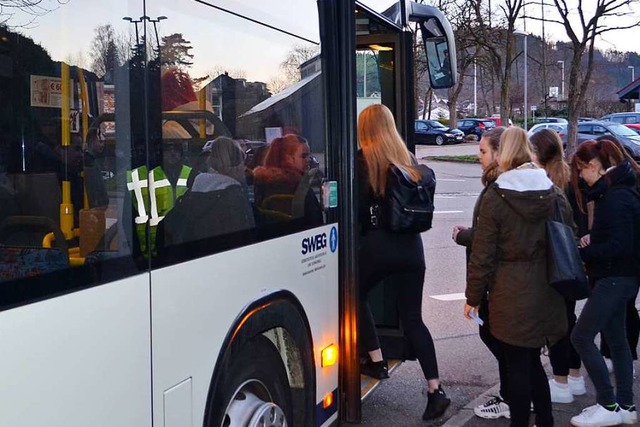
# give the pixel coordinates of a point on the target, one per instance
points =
(153, 197)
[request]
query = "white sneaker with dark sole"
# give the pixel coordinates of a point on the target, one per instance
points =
(493, 409)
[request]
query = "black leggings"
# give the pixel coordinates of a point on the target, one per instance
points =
(383, 254)
(527, 382)
(562, 355)
(495, 347)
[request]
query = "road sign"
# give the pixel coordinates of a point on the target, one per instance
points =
(534, 107)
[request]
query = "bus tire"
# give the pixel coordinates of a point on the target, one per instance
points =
(256, 388)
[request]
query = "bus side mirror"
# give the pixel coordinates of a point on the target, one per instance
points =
(440, 52)
(437, 36)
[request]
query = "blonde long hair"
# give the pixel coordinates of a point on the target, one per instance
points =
(382, 146)
(515, 149)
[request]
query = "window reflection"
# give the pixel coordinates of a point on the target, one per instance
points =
(122, 128)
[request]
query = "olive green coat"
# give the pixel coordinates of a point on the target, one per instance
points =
(508, 259)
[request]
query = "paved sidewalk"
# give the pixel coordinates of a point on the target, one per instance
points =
(562, 412)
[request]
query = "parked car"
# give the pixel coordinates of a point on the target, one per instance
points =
(551, 120)
(622, 118)
(586, 119)
(434, 132)
(498, 120)
(475, 126)
(634, 127)
(561, 128)
(592, 130)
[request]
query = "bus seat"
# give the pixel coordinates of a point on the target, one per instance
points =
(28, 231)
(17, 262)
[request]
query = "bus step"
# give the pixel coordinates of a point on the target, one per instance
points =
(368, 384)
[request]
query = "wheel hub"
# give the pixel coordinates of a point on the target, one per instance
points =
(251, 407)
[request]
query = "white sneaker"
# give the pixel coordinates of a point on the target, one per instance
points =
(629, 416)
(560, 393)
(597, 416)
(576, 385)
(493, 409)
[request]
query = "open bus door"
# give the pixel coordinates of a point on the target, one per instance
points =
(384, 64)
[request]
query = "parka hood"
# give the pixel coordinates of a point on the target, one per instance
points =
(528, 191)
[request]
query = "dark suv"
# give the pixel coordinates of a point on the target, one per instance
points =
(475, 126)
(592, 130)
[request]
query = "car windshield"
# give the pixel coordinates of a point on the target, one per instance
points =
(621, 130)
(436, 124)
(489, 123)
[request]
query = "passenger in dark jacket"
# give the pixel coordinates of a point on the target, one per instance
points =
(632, 320)
(612, 255)
(508, 260)
(567, 379)
(497, 406)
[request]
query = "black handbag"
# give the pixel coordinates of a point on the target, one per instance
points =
(565, 269)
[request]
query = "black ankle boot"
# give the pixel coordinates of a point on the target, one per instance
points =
(437, 403)
(377, 370)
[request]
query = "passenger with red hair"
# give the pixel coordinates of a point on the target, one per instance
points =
(284, 174)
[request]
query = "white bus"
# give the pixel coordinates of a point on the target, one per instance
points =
(152, 277)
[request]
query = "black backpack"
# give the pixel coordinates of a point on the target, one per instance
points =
(407, 206)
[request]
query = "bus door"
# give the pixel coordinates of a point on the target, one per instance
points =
(385, 74)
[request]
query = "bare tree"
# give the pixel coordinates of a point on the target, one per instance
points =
(296, 57)
(498, 43)
(103, 51)
(30, 9)
(582, 33)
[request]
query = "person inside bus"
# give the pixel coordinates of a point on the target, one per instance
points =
(283, 183)
(96, 191)
(382, 253)
(217, 202)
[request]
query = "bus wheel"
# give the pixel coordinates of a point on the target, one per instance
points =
(257, 390)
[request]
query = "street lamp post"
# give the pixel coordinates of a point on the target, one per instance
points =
(562, 64)
(475, 90)
(155, 28)
(633, 72)
(526, 101)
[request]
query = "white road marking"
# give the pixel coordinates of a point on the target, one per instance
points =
(449, 297)
(447, 212)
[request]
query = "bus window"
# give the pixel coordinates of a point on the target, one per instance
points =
(66, 146)
(253, 136)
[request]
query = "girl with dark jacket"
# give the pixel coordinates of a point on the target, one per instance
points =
(509, 262)
(382, 253)
(611, 252)
(497, 406)
(567, 379)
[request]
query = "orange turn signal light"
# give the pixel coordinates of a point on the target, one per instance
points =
(329, 355)
(327, 401)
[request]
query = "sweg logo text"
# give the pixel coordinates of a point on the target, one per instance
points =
(314, 243)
